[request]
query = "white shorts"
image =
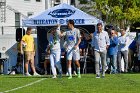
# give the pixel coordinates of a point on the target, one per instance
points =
(75, 54)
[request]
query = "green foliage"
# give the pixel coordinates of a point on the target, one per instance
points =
(83, 1)
(119, 10)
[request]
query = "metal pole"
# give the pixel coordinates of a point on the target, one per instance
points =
(23, 55)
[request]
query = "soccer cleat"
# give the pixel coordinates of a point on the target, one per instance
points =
(27, 74)
(70, 77)
(79, 76)
(75, 73)
(67, 74)
(103, 76)
(54, 77)
(60, 75)
(97, 76)
(106, 68)
(36, 74)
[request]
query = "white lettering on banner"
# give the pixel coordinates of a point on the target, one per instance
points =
(77, 21)
(56, 21)
(50, 21)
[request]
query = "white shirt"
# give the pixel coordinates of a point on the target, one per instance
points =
(123, 43)
(100, 41)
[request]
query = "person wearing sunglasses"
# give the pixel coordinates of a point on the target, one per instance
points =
(112, 52)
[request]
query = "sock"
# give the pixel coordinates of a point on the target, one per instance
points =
(27, 72)
(59, 67)
(78, 70)
(69, 71)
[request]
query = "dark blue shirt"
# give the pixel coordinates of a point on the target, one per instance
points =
(132, 46)
(83, 44)
(113, 48)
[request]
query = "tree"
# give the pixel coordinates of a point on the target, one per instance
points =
(121, 12)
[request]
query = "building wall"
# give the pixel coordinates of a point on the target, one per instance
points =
(51, 3)
(20, 6)
(9, 29)
(24, 7)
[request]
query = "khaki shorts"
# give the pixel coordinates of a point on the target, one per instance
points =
(29, 55)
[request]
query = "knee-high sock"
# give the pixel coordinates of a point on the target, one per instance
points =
(78, 70)
(69, 71)
(59, 67)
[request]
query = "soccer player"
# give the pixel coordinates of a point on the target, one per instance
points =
(55, 51)
(73, 39)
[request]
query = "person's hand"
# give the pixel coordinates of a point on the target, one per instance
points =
(107, 46)
(21, 52)
(48, 52)
(75, 47)
(34, 53)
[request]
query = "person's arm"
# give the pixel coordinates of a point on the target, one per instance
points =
(48, 49)
(107, 41)
(21, 47)
(79, 39)
(93, 41)
(59, 32)
(22, 43)
(115, 41)
(126, 40)
(34, 48)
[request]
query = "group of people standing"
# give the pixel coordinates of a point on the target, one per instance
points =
(109, 48)
(73, 39)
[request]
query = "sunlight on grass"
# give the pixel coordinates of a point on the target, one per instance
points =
(120, 83)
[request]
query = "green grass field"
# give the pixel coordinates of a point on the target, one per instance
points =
(119, 83)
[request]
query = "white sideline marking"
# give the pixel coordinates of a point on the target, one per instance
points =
(24, 86)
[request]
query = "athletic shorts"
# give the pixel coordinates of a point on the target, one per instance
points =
(72, 53)
(29, 55)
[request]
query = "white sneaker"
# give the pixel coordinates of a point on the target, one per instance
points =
(13, 73)
(36, 74)
(67, 74)
(74, 72)
(106, 68)
(54, 77)
(27, 74)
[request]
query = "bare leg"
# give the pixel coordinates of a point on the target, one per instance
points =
(78, 68)
(32, 65)
(77, 63)
(26, 66)
(69, 67)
